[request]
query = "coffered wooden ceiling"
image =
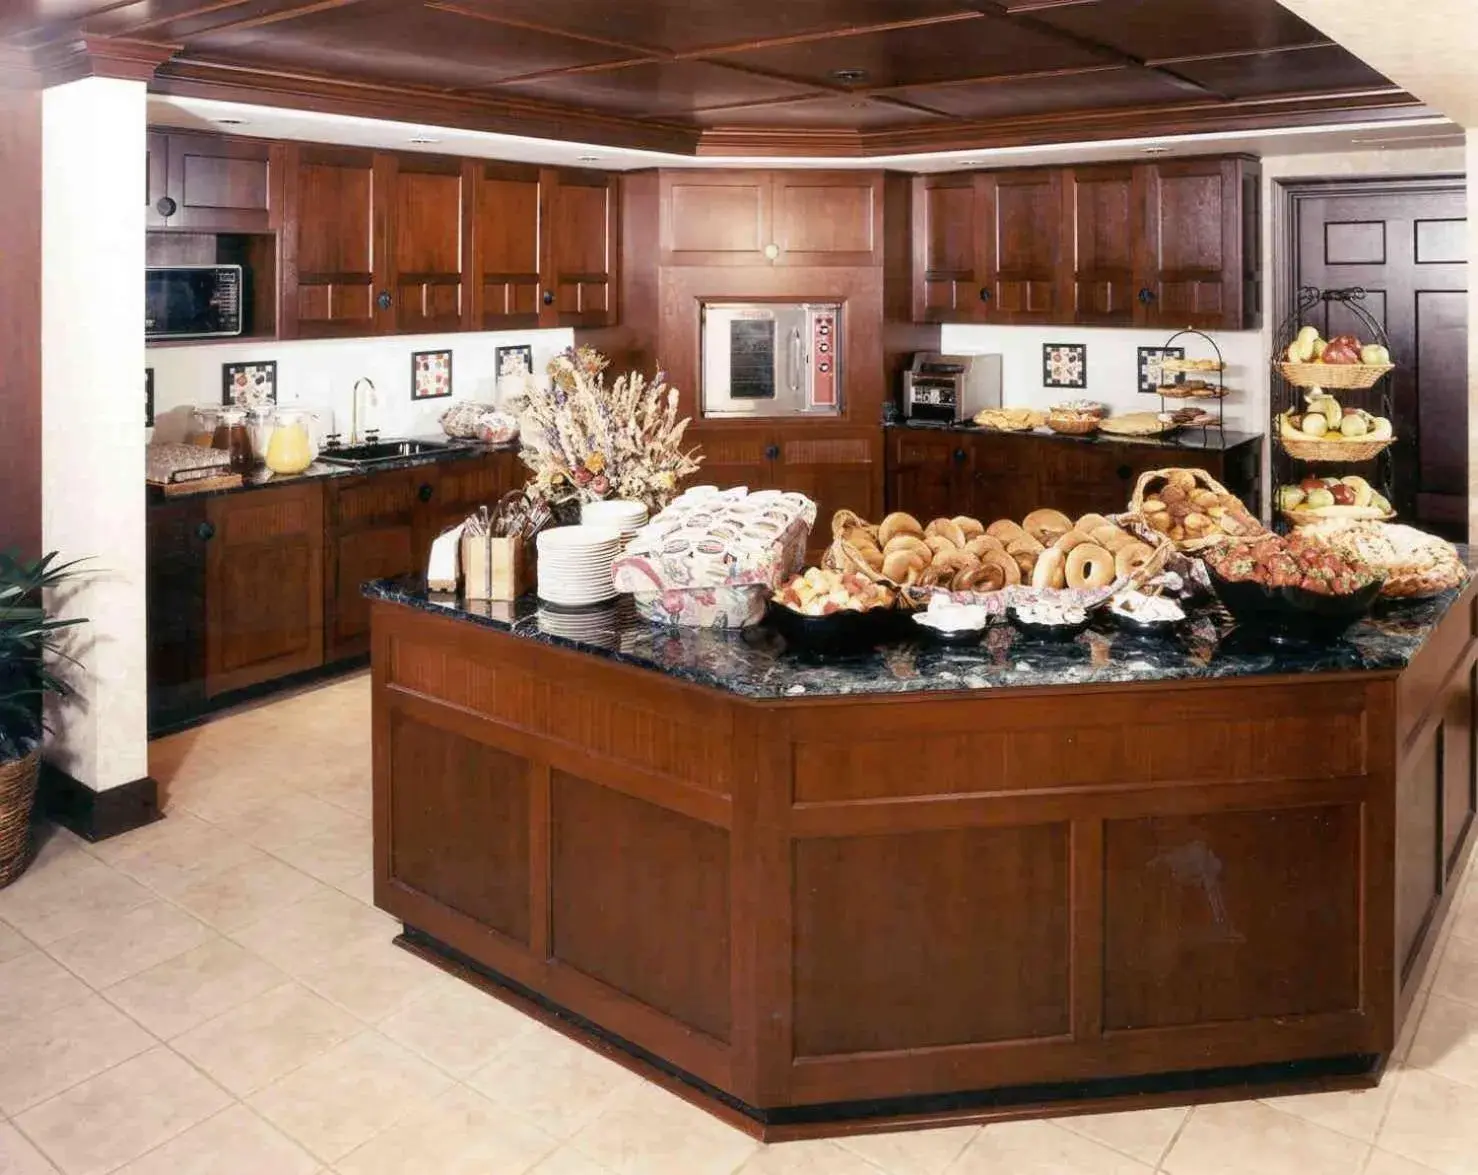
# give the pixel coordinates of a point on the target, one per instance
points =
(823, 77)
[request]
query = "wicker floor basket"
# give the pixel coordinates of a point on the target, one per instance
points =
(1343, 452)
(1334, 375)
(17, 797)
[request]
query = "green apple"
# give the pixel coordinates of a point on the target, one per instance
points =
(1289, 497)
(1318, 499)
(1353, 425)
(1314, 425)
(1373, 354)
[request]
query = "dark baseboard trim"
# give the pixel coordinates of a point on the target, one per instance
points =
(197, 711)
(97, 815)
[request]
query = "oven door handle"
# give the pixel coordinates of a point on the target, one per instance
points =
(795, 360)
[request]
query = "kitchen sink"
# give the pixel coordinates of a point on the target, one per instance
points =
(379, 452)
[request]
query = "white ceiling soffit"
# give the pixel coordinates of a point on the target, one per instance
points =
(311, 126)
(1425, 46)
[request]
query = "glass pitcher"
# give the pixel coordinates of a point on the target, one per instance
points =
(203, 421)
(231, 435)
(292, 440)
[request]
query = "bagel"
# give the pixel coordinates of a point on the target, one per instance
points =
(956, 560)
(896, 524)
(982, 543)
(1089, 566)
(1046, 526)
(1131, 557)
(904, 565)
(1090, 522)
(1005, 530)
(939, 544)
(983, 579)
(970, 527)
(1111, 538)
(908, 542)
(947, 529)
(1008, 567)
(1073, 538)
(1026, 563)
(1024, 543)
(1050, 570)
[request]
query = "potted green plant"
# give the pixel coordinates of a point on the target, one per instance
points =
(30, 647)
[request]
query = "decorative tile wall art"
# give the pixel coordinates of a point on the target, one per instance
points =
(431, 375)
(249, 385)
(1150, 377)
(1065, 365)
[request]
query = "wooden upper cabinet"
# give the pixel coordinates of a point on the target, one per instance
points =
(827, 217)
(507, 256)
(335, 276)
(223, 185)
(583, 248)
(1100, 219)
(1022, 239)
(796, 218)
(430, 235)
(716, 218)
(948, 227)
(1193, 265)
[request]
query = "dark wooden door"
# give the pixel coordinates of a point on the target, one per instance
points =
(582, 249)
(220, 185)
(1194, 266)
(335, 274)
(929, 473)
(507, 258)
(716, 218)
(948, 225)
(370, 534)
(828, 217)
(1100, 222)
(1022, 244)
(263, 586)
(430, 236)
(1406, 243)
(175, 605)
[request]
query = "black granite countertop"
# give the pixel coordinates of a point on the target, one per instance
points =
(755, 663)
(1198, 440)
(456, 450)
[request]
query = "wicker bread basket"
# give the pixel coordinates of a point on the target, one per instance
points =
(1320, 449)
(1334, 375)
(1074, 426)
(1155, 479)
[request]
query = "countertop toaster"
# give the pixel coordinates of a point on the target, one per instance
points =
(950, 388)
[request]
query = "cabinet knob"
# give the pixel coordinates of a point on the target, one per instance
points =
(166, 207)
(205, 532)
(985, 293)
(772, 452)
(1124, 472)
(959, 455)
(383, 299)
(549, 297)
(1146, 296)
(425, 493)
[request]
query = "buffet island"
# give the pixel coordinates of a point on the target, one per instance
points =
(926, 883)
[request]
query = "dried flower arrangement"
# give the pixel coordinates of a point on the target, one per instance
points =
(585, 441)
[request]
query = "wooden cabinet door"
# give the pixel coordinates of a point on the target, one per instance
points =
(156, 179)
(582, 249)
(221, 185)
(263, 586)
(1191, 245)
(175, 552)
(459, 488)
(1003, 477)
(735, 456)
(371, 534)
(334, 270)
(430, 232)
(1023, 235)
(716, 218)
(1100, 223)
(928, 474)
(948, 229)
(836, 471)
(507, 256)
(827, 218)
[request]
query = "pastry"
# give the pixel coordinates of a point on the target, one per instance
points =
(822, 592)
(1089, 566)
(1046, 526)
(896, 524)
(1131, 557)
(1189, 506)
(1010, 419)
(969, 527)
(1050, 570)
(945, 528)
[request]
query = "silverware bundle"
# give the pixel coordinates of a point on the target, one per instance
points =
(515, 516)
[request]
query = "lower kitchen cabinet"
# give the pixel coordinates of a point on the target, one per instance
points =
(371, 534)
(263, 586)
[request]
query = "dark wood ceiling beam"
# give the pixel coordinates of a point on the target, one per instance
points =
(291, 11)
(708, 51)
(1233, 54)
(652, 51)
(994, 79)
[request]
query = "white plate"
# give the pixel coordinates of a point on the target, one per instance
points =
(579, 538)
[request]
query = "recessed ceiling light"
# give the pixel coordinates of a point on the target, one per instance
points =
(230, 122)
(849, 77)
(587, 159)
(423, 141)
(1157, 150)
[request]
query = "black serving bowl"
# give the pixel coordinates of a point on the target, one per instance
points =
(840, 633)
(1292, 613)
(957, 638)
(1050, 632)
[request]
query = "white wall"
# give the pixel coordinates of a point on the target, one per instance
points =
(92, 458)
(321, 375)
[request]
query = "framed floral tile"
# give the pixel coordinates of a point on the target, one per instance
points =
(249, 385)
(431, 375)
(1150, 358)
(517, 360)
(1065, 365)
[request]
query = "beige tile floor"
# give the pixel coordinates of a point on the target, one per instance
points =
(214, 995)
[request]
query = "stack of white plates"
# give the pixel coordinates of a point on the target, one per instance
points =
(616, 514)
(599, 625)
(575, 564)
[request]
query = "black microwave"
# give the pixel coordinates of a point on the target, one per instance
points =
(193, 301)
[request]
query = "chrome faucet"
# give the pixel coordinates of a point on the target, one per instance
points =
(354, 409)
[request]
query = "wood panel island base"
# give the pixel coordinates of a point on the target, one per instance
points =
(930, 885)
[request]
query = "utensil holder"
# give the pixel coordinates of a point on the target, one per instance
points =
(496, 568)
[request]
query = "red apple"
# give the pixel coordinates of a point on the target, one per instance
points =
(1343, 495)
(1311, 483)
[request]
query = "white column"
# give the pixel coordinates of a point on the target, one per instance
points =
(92, 371)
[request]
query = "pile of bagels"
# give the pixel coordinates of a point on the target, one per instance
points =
(1047, 549)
